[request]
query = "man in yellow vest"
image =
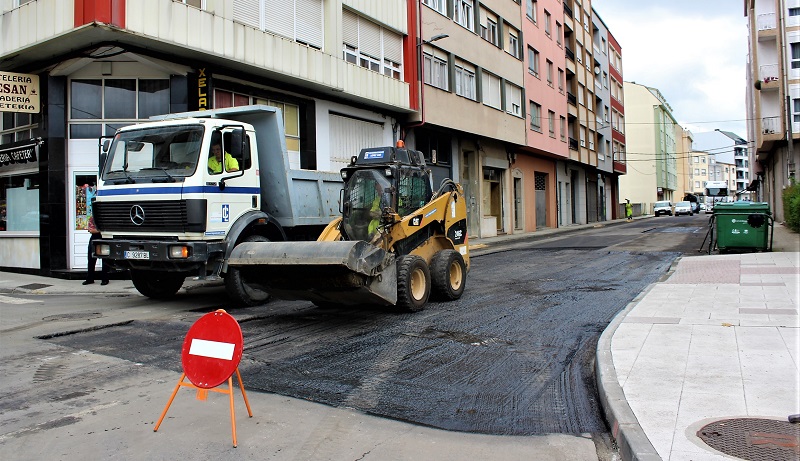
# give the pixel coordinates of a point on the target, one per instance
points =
(215, 161)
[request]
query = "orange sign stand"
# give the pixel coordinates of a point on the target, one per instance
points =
(211, 353)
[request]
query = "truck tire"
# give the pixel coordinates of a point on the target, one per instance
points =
(157, 285)
(413, 283)
(448, 275)
(238, 290)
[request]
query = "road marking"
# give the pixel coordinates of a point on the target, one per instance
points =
(213, 349)
(11, 300)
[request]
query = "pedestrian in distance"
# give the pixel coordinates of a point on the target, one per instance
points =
(92, 260)
(628, 210)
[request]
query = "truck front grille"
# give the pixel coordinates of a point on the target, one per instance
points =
(159, 215)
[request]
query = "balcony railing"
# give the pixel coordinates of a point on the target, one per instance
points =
(766, 21)
(568, 10)
(770, 125)
(573, 143)
(572, 99)
(769, 73)
(569, 54)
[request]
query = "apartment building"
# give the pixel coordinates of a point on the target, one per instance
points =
(773, 94)
(652, 147)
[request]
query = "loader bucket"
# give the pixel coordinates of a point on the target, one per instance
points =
(344, 272)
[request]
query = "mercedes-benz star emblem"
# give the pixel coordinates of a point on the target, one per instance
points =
(137, 215)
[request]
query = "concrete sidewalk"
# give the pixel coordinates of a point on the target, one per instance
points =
(717, 339)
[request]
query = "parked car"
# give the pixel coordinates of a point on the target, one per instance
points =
(683, 208)
(702, 207)
(663, 207)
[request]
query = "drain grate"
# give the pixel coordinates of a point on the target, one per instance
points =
(754, 439)
(35, 286)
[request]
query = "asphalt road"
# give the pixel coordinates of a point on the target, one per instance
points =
(513, 356)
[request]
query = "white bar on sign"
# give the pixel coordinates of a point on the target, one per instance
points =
(213, 349)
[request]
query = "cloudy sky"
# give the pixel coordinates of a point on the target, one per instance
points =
(693, 51)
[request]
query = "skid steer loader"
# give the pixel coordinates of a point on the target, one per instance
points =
(396, 243)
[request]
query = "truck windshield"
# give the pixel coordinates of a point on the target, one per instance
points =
(163, 154)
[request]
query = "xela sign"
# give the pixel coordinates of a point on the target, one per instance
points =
(19, 93)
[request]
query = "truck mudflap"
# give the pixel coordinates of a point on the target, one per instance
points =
(343, 272)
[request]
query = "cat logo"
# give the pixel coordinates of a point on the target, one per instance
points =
(415, 221)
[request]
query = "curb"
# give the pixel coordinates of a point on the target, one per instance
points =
(632, 441)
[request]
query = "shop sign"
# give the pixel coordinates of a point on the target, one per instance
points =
(200, 89)
(20, 155)
(19, 93)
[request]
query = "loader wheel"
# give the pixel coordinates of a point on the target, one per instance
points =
(413, 283)
(238, 290)
(448, 274)
(157, 285)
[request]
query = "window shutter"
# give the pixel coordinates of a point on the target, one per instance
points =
(350, 28)
(309, 22)
(279, 17)
(392, 46)
(369, 35)
(247, 12)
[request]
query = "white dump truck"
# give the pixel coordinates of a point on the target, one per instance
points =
(168, 207)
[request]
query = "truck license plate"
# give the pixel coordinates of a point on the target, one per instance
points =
(137, 255)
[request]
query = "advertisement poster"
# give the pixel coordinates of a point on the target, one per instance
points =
(84, 192)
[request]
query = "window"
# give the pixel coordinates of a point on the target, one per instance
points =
(697, 171)
(703, 171)
(195, 3)
(547, 26)
(513, 43)
(488, 26)
(562, 122)
(19, 200)
(795, 55)
(438, 5)
(435, 71)
(513, 100)
(605, 79)
(100, 106)
(533, 62)
(16, 126)
(532, 7)
(796, 110)
(561, 81)
(490, 87)
(558, 33)
(463, 13)
(536, 117)
(551, 120)
(298, 20)
(371, 46)
(465, 80)
(794, 11)
(550, 73)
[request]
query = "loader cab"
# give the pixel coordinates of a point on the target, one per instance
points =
(379, 181)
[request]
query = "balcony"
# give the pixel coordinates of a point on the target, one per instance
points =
(572, 99)
(770, 125)
(768, 75)
(567, 10)
(573, 143)
(766, 21)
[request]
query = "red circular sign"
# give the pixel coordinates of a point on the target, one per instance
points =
(212, 349)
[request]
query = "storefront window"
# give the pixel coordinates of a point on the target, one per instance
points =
(153, 97)
(120, 98)
(19, 203)
(87, 99)
(16, 126)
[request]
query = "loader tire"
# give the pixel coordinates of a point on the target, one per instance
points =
(157, 285)
(413, 283)
(238, 290)
(448, 275)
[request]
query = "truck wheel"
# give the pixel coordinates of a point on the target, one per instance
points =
(448, 274)
(157, 285)
(238, 290)
(413, 283)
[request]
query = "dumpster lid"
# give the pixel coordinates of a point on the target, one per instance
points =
(742, 206)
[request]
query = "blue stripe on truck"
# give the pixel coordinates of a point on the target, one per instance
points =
(178, 190)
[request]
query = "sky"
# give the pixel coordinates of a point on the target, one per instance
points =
(693, 51)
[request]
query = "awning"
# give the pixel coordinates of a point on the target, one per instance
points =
(753, 187)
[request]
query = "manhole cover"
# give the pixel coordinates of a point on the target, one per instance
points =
(754, 439)
(35, 286)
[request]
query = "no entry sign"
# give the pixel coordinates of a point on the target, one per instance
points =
(212, 349)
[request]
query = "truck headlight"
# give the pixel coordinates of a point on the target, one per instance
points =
(179, 252)
(102, 249)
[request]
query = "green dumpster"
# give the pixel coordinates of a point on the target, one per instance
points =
(743, 225)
